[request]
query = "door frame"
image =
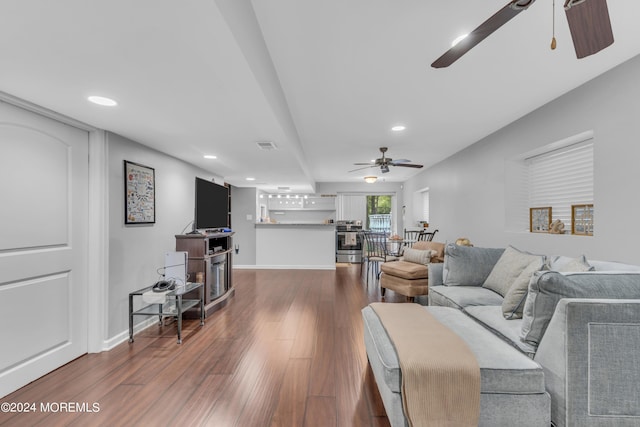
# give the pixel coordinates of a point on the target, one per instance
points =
(97, 222)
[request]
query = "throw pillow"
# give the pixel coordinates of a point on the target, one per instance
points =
(507, 269)
(547, 288)
(436, 246)
(565, 264)
(468, 266)
(417, 256)
(513, 303)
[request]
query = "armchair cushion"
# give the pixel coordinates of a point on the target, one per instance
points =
(405, 270)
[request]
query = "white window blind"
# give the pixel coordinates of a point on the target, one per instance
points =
(425, 206)
(561, 178)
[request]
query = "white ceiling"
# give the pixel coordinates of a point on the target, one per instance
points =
(324, 80)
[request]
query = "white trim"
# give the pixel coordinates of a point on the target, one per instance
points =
(284, 267)
(123, 336)
(98, 245)
(574, 139)
(26, 105)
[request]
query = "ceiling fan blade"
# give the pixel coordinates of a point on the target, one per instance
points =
(408, 165)
(396, 162)
(362, 164)
(590, 26)
(500, 18)
(366, 167)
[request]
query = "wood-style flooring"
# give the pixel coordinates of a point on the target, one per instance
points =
(287, 351)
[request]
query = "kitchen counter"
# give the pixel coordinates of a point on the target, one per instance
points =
(296, 245)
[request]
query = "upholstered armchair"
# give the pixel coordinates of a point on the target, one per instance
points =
(409, 276)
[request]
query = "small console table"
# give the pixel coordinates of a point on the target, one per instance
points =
(211, 255)
(173, 305)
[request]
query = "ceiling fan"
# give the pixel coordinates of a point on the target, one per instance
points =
(588, 22)
(384, 163)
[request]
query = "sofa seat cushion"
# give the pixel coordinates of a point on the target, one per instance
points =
(405, 270)
(490, 316)
(463, 296)
(503, 369)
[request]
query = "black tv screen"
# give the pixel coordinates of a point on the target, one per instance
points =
(212, 205)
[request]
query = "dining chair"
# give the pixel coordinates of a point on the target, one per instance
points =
(427, 237)
(410, 237)
(375, 250)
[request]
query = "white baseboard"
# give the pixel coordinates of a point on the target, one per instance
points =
(124, 335)
(285, 267)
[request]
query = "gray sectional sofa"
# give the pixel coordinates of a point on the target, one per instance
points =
(557, 338)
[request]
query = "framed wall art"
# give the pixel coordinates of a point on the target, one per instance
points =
(139, 194)
(582, 219)
(539, 219)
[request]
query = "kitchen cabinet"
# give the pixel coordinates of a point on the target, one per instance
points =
(309, 203)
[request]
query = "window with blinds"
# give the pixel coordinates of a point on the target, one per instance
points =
(561, 178)
(425, 206)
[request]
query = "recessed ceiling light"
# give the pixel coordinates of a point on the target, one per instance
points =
(250, 178)
(458, 39)
(101, 100)
(210, 156)
(398, 128)
(370, 179)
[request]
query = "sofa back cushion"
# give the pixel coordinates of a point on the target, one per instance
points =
(505, 272)
(547, 288)
(468, 266)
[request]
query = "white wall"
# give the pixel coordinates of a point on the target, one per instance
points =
(243, 203)
(467, 190)
(137, 251)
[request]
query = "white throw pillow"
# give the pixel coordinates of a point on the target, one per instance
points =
(507, 269)
(418, 256)
(514, 299)
(563, 264)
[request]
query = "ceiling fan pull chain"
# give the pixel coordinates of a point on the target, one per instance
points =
(553, 25)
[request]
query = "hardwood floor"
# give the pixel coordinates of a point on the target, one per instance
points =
(287, 351)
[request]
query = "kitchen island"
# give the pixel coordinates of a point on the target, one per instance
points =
(295, 245)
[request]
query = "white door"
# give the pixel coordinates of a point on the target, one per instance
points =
(43, 247)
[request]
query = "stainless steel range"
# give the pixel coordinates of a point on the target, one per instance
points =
(348, 241)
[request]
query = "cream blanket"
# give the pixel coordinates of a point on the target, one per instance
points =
(440, 375)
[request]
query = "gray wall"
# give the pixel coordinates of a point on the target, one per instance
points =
(467, 190)
(137, 251)
(243, 203)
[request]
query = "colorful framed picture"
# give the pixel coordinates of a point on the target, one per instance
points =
(539, 219)
(582, 220)
(139, 194)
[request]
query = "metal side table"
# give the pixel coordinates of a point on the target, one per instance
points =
(166, 304)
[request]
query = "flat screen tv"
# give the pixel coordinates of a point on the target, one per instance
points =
(212, 205)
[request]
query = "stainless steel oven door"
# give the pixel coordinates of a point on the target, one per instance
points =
(348, 241)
